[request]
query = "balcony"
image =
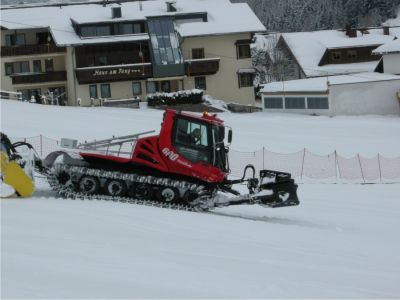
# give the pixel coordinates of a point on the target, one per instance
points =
(30, 49)
(113, 73)
(39, 77)
(204, 66)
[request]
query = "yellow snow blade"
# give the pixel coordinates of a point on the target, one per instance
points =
(15, 176)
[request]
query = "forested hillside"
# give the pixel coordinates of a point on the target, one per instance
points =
(308, 15)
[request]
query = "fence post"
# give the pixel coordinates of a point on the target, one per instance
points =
(362, 173)
(41, 146)
(380, 170)
(336, 167)
(263, 150)
(302, 165)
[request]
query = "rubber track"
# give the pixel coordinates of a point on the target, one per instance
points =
(202, 203)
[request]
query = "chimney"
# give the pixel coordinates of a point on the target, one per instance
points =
(386, 30)
(171, 6)
(116, 12)
(351, 31)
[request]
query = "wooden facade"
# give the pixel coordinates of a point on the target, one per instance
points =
(201, 67)
(39, 78)
(112, 54)
(30, 49)
(348, 55)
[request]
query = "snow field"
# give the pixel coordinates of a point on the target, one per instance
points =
(341, 241)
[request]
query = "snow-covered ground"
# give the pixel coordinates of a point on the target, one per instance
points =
(341, 241)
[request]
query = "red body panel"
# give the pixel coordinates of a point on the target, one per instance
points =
(157, 152)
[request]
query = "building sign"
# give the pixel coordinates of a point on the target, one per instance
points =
(117, 71)
(86, 76)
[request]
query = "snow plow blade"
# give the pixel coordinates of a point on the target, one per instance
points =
(282, 188)
(273, 189)
(14, 176)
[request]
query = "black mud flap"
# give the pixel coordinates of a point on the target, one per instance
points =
(277, 189)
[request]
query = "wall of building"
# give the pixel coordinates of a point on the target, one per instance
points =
(224, 84)
(59, 64)
(30, 35)
(378, 98)
(119, 90)
(391, 63)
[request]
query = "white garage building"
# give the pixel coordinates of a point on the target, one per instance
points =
(355, 94)
(390, 56)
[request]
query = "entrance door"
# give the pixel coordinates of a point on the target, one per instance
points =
(166, 86)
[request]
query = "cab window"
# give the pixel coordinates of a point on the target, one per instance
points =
(191, 140)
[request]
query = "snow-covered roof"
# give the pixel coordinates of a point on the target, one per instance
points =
(389, 48)
(321, 84)
(222, 18)
(309, 47)
(393, 31)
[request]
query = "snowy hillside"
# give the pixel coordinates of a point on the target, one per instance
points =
(341, 241)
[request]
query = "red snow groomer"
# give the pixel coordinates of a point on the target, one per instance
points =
(185, 166)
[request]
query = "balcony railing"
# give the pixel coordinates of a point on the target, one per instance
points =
(30, 49)
(204, 66)
(113, 73)
(39, 77)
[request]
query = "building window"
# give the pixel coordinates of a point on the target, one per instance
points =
(28, 94)
(103, 30)
(243, 50)
(317, 103)
(245, 80)
(352, 54)
(137, 28)
(48, 65)
(125, 28)
(166, 86)
(273, 102)
(58, 94)
(43, 38)
(200, 83)
(8, 67)
(15, 39)
(17, 67)
(37, 66)
(198, 53)
(105, 91)
(151, 87)
(295, 103)
(336, 55)
(136, 88)
(102, 60)
(93, 91)
(88, 31)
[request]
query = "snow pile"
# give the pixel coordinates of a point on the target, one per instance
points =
(5, 189)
